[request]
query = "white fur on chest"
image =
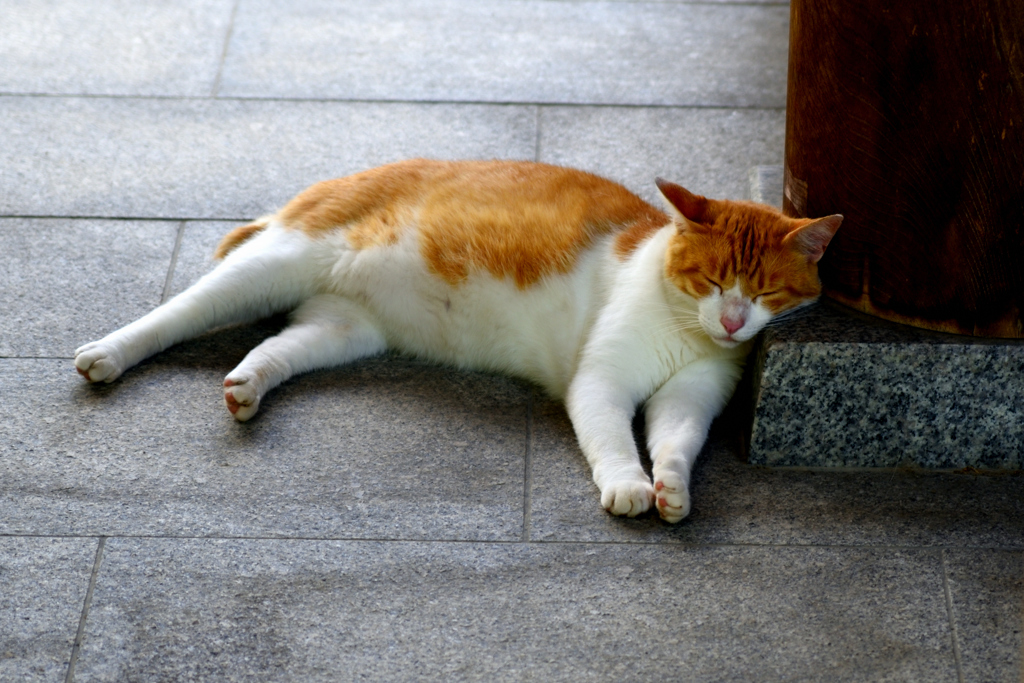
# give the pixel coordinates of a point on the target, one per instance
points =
(644, 335)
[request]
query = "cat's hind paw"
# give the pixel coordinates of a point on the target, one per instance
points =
(629, 498)
(241, 398)
(98, 362)
(671, 497)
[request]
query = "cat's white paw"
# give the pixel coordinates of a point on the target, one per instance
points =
(99, 362)
(241, 397)
(672, 498)
(627, 497)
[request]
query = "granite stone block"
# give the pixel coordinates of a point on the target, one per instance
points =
(44, 583)
(708, 151)
(839, 389)
(386, 448)
(66, 282)
(516, 51)
(172, 158)
(987, 593)
(312, 610)
(735, 502)
(113, 47)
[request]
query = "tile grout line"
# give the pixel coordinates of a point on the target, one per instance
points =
(174, 262)
(410, 101)
(539, 542)
(528, 469)
(954, 635)
(97, 217)
(80, 635)
(224, 50)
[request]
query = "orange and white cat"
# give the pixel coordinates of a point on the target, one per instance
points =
(547, 273)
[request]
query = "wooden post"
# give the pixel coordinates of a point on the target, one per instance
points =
(908, 118)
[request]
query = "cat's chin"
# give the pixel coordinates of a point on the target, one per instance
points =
(726, 342)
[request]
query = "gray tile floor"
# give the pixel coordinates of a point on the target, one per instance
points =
(394, 520)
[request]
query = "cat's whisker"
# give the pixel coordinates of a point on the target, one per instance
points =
(677, 326)
(787, 316)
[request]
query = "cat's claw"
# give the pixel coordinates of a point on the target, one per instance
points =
(671, 497)
(98, 363)
(629, 498)
(241, 398)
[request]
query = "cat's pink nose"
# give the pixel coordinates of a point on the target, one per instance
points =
(732, 324)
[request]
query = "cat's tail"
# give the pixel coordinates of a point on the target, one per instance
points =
(240, 235)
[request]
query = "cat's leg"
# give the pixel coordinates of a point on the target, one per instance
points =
(269, 273)
(602, 415)
(326, 330)
(678, 417)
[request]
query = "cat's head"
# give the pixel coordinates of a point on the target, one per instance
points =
(743, 263)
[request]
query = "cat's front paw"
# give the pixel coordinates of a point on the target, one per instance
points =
(672, 497)
(629, 498)
(99, 362)
(241, 396)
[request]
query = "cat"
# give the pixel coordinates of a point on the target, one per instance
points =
(547, 273)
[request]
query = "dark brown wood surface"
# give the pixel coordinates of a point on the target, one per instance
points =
(908, 118)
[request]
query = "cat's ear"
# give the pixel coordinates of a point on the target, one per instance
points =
(685, 207)
(811, 238)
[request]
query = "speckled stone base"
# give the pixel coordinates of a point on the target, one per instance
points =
(834, 388)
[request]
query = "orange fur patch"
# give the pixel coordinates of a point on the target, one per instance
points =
(628, 240)
(237, 237)
(515, 219)
(742, 242)
(371, 206)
